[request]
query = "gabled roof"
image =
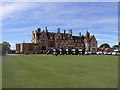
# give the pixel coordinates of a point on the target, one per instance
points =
(66, 35)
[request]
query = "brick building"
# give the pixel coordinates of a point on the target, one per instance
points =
(45, 40)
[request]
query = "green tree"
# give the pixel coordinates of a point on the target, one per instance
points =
(116, 46)
(105, 45)
(5, 47)
(0, 49)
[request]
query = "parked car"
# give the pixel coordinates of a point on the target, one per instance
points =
(93, 53)
(49, 52)
(86, 53)
(105, 53)
(114, 53)
(109, 53)
(118, 53)
(89, 53)
(99, 53)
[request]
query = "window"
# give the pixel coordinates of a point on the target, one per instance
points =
(93, 44)
(43, 42)
(76, 44)
(31, 48)
(93, 49)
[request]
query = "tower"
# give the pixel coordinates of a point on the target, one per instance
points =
(87, 41)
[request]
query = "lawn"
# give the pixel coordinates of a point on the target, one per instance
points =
(48, 71)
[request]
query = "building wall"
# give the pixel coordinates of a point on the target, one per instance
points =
(48, 41)
(27, 48)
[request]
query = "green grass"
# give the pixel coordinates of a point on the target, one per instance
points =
(47, 71)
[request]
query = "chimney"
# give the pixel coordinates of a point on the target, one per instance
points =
(58, 30)
(39, 29)
(80, 34)
(64, 31)
(46, 29)
(87, 34)
(70, 31)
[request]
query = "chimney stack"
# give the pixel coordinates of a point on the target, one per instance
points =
(87, 34)
(64, 31)
(80, 34)
(39, 29)
(58, 30)
(46, 29)
(70, 31)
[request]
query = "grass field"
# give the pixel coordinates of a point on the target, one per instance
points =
(47, 71)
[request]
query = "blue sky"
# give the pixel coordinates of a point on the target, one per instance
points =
(19, 19)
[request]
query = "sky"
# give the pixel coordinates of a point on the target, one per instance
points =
(19, 19)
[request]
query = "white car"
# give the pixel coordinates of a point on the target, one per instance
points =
(118, 53)
(110, 53)
(86, 53)
(104, 53)
(99, 53)
(114, 53)
(89, 52)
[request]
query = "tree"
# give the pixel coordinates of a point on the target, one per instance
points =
(105, 45)
(5, 47)
(116, 46)
(0, 49)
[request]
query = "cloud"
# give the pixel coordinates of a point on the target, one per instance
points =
(49, 13)
(103, 35)
(20, 29)
(109, 20)
(14, 7)
(25, 17)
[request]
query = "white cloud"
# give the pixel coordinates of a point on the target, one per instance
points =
(49, 14)
(109, 20)
(103, 35)
(21, 29)
(14, 7)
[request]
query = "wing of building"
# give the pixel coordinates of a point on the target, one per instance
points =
(45, 40)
